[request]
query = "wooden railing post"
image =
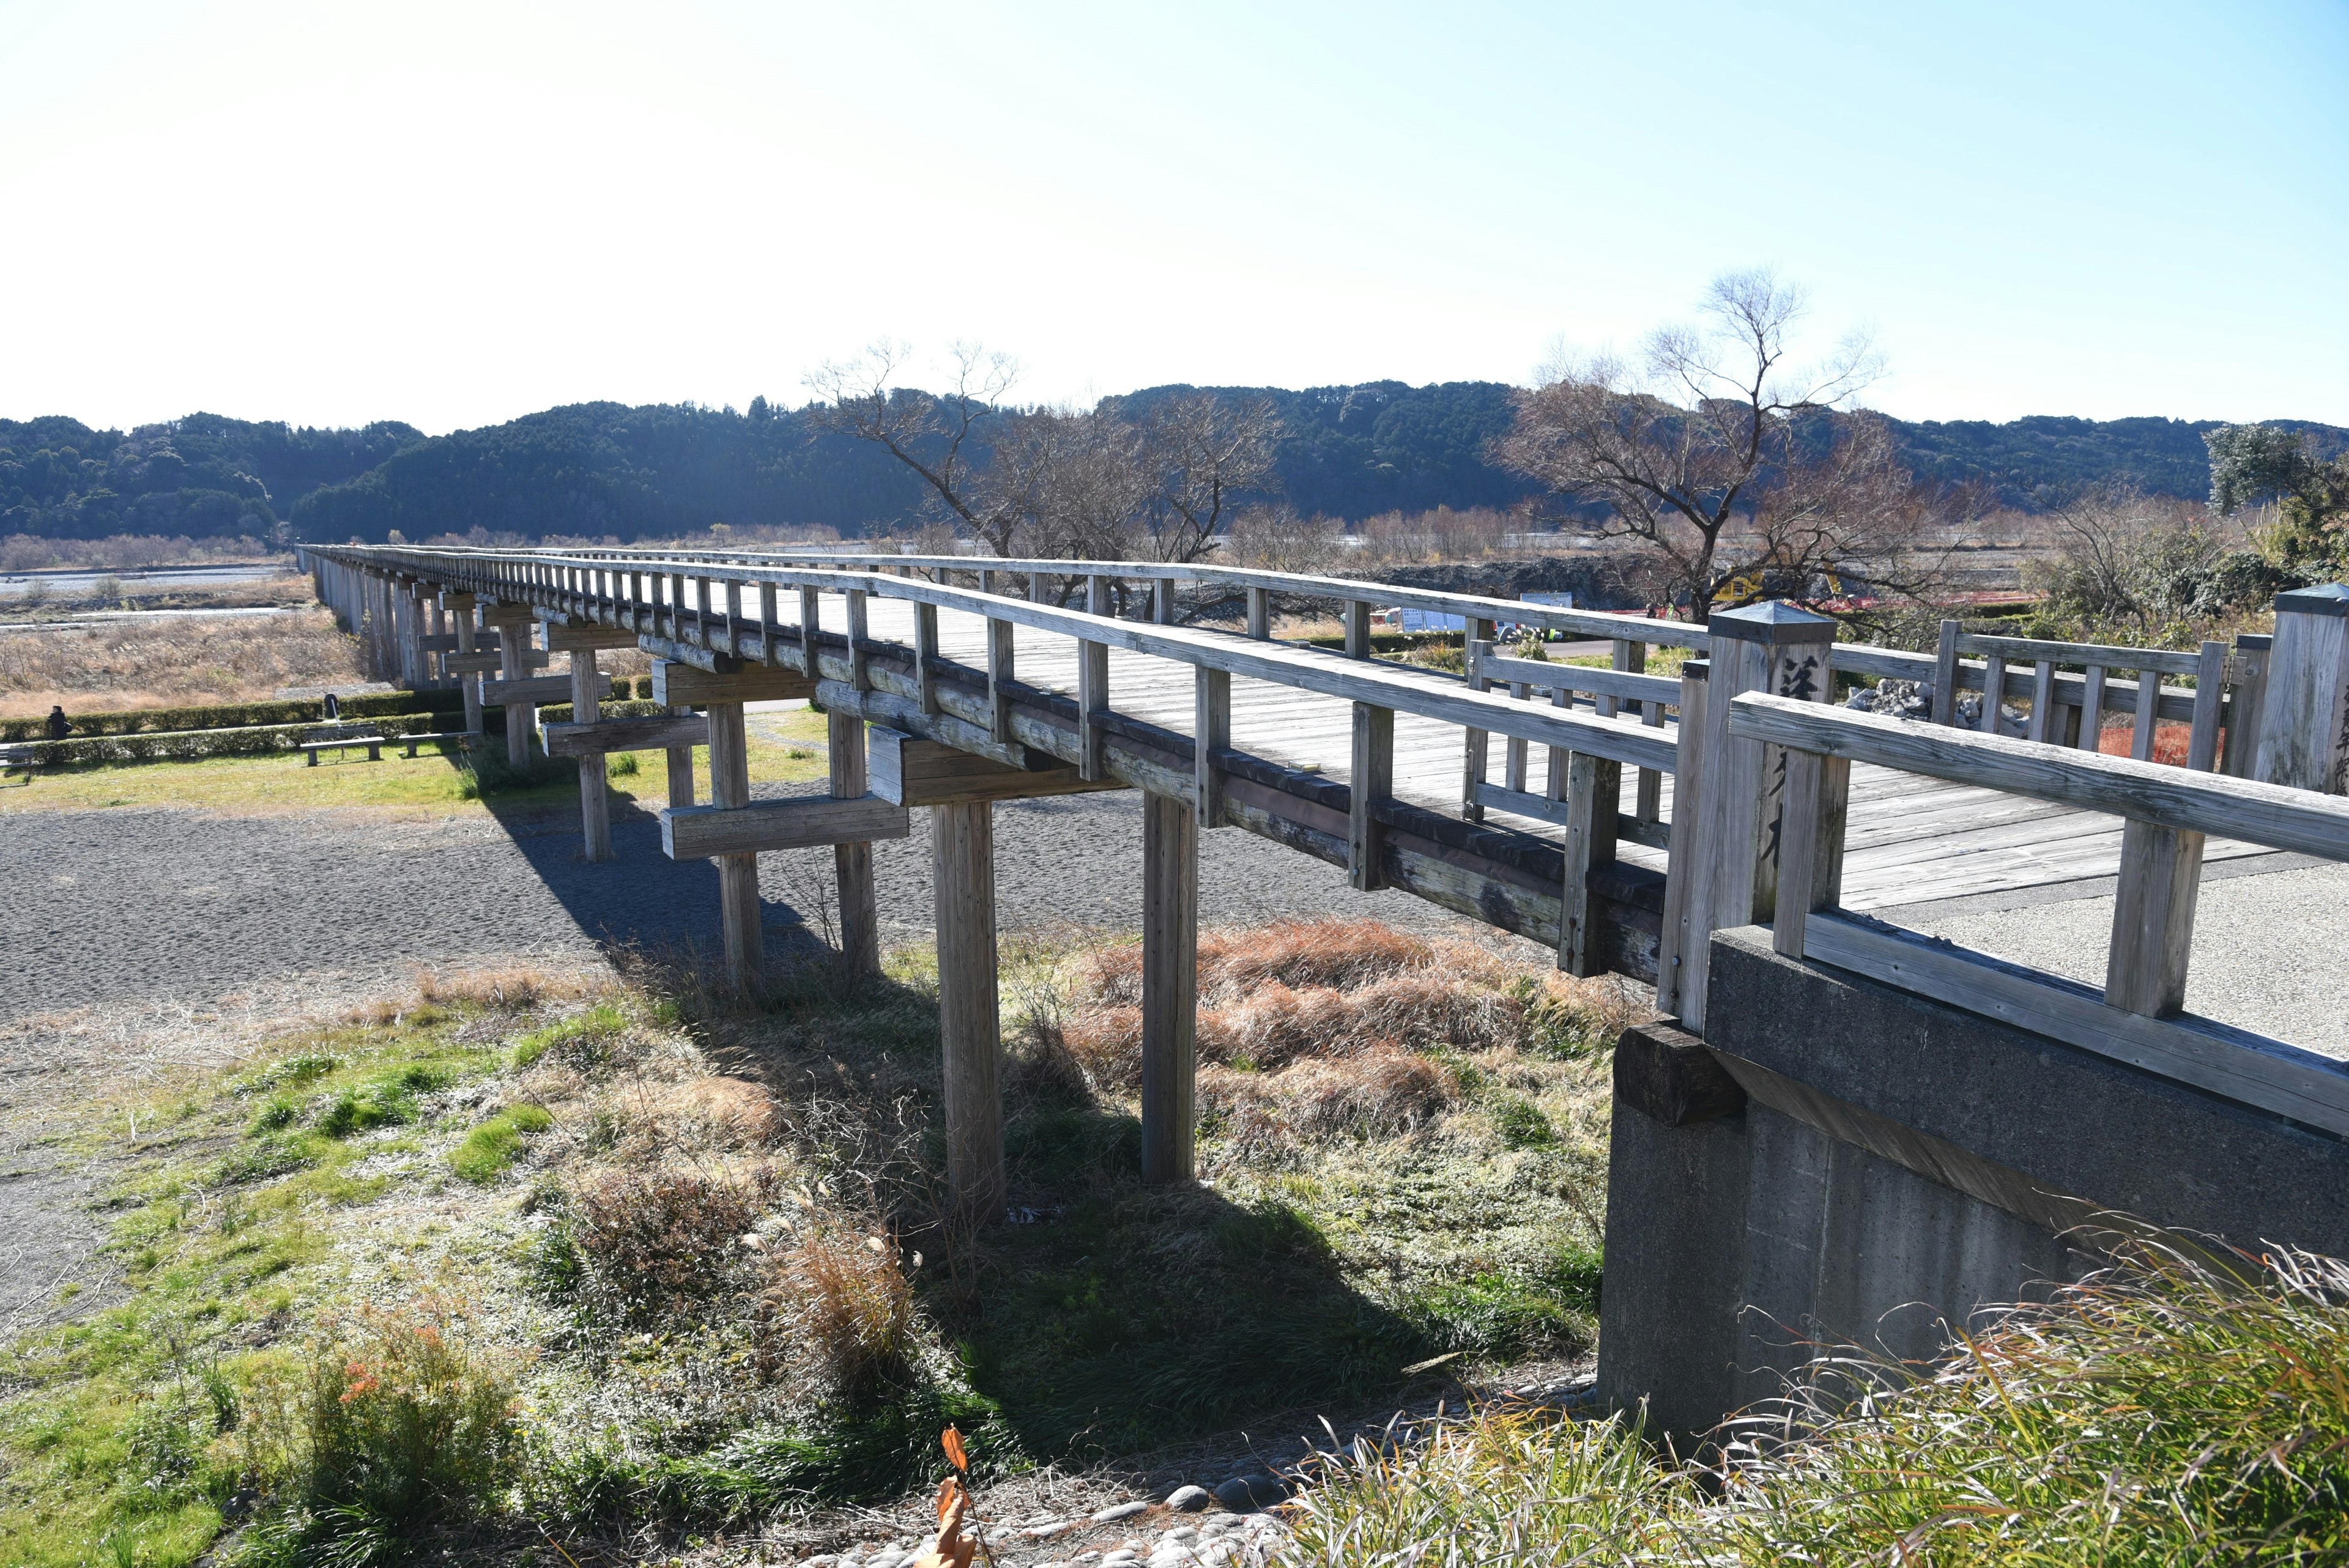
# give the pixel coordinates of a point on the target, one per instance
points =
(1211, 731)
(1679, 949)
(1475, 743)
(1358, 629)
(2248, 684)
(1259, 613)
(969, 1011)
(1170, 987)
(460, 619)
(860, 905)
(2153, 918)
(1945, 675)
(738, 875)
(2304, 721)
(2210, 700)
(859, 676)
(1162, 601)
(999, 678)
(594, 803)
(1594, 794)
(1372, 783)
(811, 620)
(1771, 647)
(1810, 870)
(513, 654)
(925, 656)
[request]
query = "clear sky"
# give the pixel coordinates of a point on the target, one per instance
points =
(452, 214)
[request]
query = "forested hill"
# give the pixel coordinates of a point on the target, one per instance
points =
(204, 476)
(601, 469)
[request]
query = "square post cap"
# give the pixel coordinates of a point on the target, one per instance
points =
(2325, 599)
(1774, 621)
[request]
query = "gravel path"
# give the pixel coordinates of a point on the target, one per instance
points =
(121, 906)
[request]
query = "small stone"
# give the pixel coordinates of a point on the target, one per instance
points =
(1246, 1493)
(1188, 1499)
(1118, 1510)
(1182, 1533)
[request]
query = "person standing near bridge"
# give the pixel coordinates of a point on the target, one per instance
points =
(60, 727)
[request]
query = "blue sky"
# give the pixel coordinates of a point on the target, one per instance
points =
(452, 214)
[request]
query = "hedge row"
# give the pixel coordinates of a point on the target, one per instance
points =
(251, 714)
(247, 740)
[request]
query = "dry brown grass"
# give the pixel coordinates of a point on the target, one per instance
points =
(839, 1307)
(664, 1243)
(172, 663)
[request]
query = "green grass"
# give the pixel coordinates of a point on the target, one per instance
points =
(490, 1148)
(2163, 1413)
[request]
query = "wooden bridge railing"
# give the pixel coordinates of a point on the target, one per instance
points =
(2137, 1016)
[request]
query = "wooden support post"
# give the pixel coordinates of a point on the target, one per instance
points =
(738, 875)
(595, 802)
(1594, 793)
(514, 652)
(1372, 783)
(1170, 987)
(2147, 721)
(1810, 872)
(1259, 613)
(680, 766)
(970, 1019)
(1211, 731)
(2210, 698)
(925, 655)
(1771, 647)
(2091, 711)
(2249, 671)
(2304, 716)
(1679, 949)
(860, 905)
(1092, 701)
(460, 615)
(2153, 918)
(1993, 692)
(1475, 756)
(1945, 676)
(859, 676)
(1162, 601)
(811, 621)
(1632, 657)
(1358, 629)
(2043, 702)
(999, 676)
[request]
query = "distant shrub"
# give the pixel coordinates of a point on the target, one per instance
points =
(374, 707)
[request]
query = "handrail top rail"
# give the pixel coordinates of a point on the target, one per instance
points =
(1440, 697)
(1609, 624)
(1549, 674)
(2110, 655)
(2269, 814)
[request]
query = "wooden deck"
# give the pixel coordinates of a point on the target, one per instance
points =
(1911, 839)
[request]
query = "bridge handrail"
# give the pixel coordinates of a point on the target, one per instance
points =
(1378, 685)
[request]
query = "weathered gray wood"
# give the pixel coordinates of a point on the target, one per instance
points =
(969, 1009)
(1681, 947)
(679, 756)
(1358, 629)
(571, 637)
(459, 608)
(1945, 675)
(1993, 687)
(1259, 612)
(513, 648)
(2153, 919)
(474, 664)
(2042, 700)
(1211, 733)
(925, 656)
(1162, 601)
(537, 691)
(1616, 686)
(2251, 1069)
(999, 676)
(677, 685)
(1170, 989)
(1810, 862)
(907, 770)
(734, 843)
(2146, 724)
(858, 636)
(860, 902)
(657, 734)
(595, 798)
(2269, 814)
(1372, 781)
(1092, 704)
(2209, 695)
(2304, 716)
(759, 827)
(2248, 674)
(2025, 650)
(810, 622)
(2092, 710)
(1593, 787)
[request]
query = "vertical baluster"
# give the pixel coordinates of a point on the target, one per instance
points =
(1211, 731)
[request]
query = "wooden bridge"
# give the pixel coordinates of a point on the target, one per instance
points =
(1618, 816)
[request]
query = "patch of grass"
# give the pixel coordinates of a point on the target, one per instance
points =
(2164, 1411)
(490, 1148)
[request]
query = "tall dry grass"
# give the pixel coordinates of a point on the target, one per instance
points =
(173, 662)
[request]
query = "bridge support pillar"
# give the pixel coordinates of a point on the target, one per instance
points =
(459, 608)
(1170, 986)
(738, 875)
(680, 766)
(969, 1021)
(860, 907)
(594, 805)
(514, 652)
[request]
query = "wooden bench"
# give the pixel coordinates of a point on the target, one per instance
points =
(409, 744)
(374, 744)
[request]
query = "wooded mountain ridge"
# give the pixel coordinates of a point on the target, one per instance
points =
(661, 470)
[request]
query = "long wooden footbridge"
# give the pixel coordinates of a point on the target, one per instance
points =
(1619, 816)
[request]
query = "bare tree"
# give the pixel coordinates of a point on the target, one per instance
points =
(1084, 484)
(937, 436)
(1729, 463)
